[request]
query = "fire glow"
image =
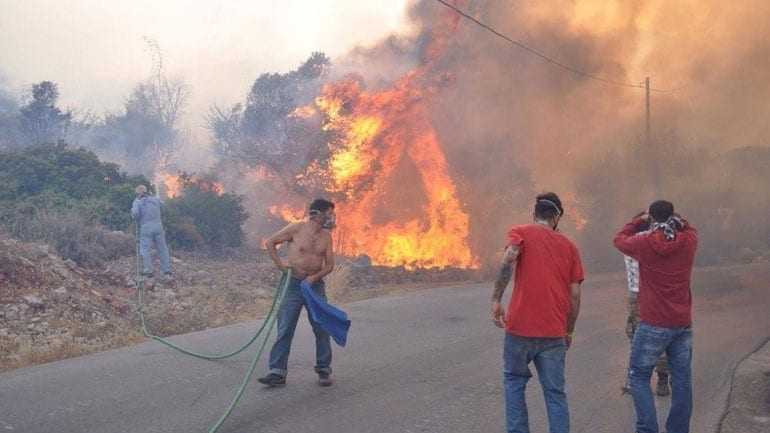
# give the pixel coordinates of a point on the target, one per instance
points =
(379, 130)
(173, 185)
(378, 134)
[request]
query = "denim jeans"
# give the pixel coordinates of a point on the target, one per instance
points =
(152, 233)
(548, 356)
(649, 343)
(288, 316)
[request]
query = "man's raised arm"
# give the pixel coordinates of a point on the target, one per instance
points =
(286, 234)
(626, 241)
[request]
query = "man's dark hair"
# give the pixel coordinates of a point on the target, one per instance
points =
(321, 205)
(548, 206)
(661, 210)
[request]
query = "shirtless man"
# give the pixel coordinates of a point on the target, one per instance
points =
(310, 258)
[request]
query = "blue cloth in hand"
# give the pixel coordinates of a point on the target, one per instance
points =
(331, 319)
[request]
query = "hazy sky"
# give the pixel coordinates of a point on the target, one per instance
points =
(95, 49)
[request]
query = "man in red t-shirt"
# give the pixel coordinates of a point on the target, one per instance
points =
(666, 255)
(541, 315)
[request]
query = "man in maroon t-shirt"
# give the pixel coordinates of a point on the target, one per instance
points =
(666, 255)
(541, 315)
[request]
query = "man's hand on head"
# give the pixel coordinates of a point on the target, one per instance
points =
(642, 217)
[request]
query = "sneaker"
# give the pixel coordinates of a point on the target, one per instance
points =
(272, 380)
(625, 389)
(663, 389)
(168, 277)
(324, 379)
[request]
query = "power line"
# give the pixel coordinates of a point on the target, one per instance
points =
(550, 59)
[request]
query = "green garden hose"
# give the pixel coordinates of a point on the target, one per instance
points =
(267, 324)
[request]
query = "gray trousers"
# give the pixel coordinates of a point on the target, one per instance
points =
(153, 234)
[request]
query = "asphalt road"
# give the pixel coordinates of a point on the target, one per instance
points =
(427, 361)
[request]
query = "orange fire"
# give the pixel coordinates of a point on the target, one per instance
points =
(397, 202)
(287, 213)
(173, 185)
(379, 133)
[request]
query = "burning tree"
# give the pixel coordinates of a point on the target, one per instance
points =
(268, 131)
(375, 152)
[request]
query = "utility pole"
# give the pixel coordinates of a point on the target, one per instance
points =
(647, 107)
(651, 150)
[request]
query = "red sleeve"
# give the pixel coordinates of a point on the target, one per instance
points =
(627, 242)
(692, 235)
(577, 267)
(515, 237)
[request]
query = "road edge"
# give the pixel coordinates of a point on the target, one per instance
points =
(748, 401)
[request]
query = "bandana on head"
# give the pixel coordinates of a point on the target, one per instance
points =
(669, 228)
(552, 204)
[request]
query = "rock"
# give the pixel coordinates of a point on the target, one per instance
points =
(362, 261)
(41, 251)
(263, 293)
(34, 301)
(35, 319)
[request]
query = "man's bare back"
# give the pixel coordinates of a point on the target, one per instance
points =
(310, 254)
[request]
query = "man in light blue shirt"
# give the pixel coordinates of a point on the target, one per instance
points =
(146, 210)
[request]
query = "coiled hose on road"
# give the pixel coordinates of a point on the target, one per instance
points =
(267, 325)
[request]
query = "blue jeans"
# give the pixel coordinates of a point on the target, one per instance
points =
(548, 355)
(649, 343)
(152, 233)
(288, 316)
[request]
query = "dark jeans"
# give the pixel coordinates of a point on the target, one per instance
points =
(548, 356)
(288, 316)
(649, 343)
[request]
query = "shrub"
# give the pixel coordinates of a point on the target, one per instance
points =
(68, 199)
(203, 214)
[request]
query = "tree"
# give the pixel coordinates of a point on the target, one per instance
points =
(263, 132)
(10, 135)
(41, 121)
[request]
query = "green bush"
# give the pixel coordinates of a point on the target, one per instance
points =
(68, 199)
(56, 177)
(204, 216)
(76, 203)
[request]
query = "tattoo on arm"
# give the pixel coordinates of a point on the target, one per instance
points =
(503, 278)
(506, 271)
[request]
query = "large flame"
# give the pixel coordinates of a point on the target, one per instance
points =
(377, 131)
(385, 146)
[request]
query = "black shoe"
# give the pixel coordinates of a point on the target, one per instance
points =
(324, 379)
(272, 380)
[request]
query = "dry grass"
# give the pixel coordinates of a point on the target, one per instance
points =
(26, 353)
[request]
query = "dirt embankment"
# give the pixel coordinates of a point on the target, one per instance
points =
(52, 309)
